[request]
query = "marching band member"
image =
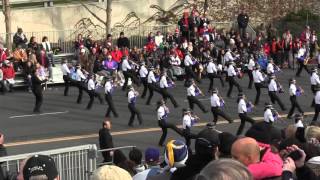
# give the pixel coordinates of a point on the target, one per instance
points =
(188, 121)
(163, 89)
(294, 91)
(302, 55)
(92, 90)
(315, 80)
(270, 67)
(212, 72)
(162, 114)
(108, 90)
(242, 110)
(251, 65)
(143, 73)
(188, 66)
(268, 116)
(127, 72)
(151, 80)
(273, 88)
(231, 79)
(317, 104)
(37, 90)
(132, 98)
(258, 80)
(79, 77)
(216, 110)
(192, 91)
(228, 57)
(66, 73)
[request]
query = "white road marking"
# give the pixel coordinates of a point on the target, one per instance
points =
(42, 114)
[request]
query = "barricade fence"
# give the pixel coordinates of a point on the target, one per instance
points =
(65, 39)
(73, 163)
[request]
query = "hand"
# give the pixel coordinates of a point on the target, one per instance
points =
(300, 162)
(289, 165)
(111, 153)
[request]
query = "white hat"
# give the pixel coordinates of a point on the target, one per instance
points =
(83, 50)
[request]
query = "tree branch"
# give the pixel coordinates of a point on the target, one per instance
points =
(93, 14)
(97, 7)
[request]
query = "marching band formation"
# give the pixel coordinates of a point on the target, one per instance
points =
(154, 77)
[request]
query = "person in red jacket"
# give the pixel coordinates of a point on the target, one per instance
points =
(116, 54)
(8, 75)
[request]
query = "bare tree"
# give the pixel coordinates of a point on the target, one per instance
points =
(7, 19)
(107, 9)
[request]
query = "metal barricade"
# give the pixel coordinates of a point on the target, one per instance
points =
(123, 148)
(73, 163)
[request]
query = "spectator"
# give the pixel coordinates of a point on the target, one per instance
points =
(88, 42)
(40, 167)
(110, 172)
(110, 65)
(224, 169)
(206, 150)
(243, 20)
(152, 157)
(8, 75)
(45, 44)
(33, 44)
(116, 54)
(123, 41)
(105, 140)
(20, 39)
(135, 155)
(226, 140)
(158, 39)
(3, 55)
(20, 57)
(2, 88)
(176, 155)
(247, 151)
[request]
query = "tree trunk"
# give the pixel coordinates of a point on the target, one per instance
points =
(108, 16)
(7, 19)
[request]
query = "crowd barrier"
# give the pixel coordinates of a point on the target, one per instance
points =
(73, 163)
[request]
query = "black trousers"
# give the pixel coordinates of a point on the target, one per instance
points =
(66, 80)
(152, 87)
(189, 72)
(294, 104)
(193, 100)
(164, 127)
(316, 112)
(145, 87)
(211, 77)
(128, 74)
(301, 66)
(80, 87)
(165, 95)
(188, 135)
(250, 79)
(258, 87)
(233, 82)
(39, 99)
(274, 98)
(92, 94)
(111, 108)
(216, 111)
(134, 111)
(244, 118)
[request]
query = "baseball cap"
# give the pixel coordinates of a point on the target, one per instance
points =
(152, 155)
(40, 165)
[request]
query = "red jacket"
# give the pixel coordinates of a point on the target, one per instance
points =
(8, 72)
(116, 55)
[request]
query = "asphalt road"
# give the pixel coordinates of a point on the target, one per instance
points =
(64, 123)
